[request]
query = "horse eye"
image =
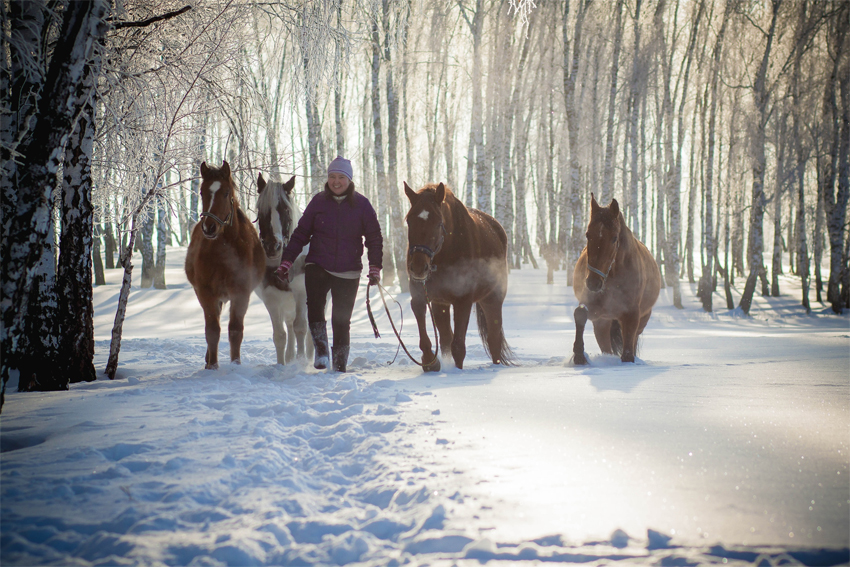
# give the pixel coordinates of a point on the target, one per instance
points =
(615, 240)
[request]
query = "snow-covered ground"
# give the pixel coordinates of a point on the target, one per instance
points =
(728, 442)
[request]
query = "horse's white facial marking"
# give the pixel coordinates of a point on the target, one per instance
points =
(277, 227)
(214, 186)
(423, 215)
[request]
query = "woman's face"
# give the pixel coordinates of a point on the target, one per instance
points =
(337, 182)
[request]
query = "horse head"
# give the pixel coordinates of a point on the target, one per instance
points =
(603, 243)
(275, 214)
(425, 229)
(218, 198)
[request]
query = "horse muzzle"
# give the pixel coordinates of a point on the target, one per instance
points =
(273, 249)
(211, 231)
(419, 270)
(594, 283)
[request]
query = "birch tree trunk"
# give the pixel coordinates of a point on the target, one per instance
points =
(21, 80)
(571, 69)
(76, 308)
(29, 229)
(476, 158)
(380, 170)
(756, 234)
(634, 109)
(399, 232)
(838, 164)
(145, 243)
(779, 183)
(710, 244)
(163, 236)
(608, 169)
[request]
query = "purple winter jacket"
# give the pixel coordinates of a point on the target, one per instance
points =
(336, 232)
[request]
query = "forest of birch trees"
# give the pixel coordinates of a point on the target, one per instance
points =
(722, 128)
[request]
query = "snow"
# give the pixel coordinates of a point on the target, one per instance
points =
(727, 442)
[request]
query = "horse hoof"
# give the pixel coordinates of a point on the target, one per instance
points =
(580, 359)
(211, 366)
(433, 366)
(627, 358)
(236, 361)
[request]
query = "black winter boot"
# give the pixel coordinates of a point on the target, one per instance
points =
(341, 358)
(320, 344)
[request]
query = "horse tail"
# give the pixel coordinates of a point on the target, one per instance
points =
(617, 338)
(506, 355)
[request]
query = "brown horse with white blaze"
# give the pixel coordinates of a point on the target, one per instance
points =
(616, 281)
(224, 261)
(457, 257)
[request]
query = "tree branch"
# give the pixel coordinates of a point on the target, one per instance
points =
(153, 20)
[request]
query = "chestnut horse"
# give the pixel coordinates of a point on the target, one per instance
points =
(457, 257)
(225, 260)
(616, 281)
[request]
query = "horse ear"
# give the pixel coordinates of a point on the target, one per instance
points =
(204, 169)
(261, 183)
(289, 186)
(594, 206)
(225, 168)
(441, 193)
(411, 194)
(615, 207)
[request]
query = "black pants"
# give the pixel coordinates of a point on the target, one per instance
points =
(343, 293)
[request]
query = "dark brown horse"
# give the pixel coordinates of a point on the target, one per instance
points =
(616, 281)
(225, 260)
(457, 257)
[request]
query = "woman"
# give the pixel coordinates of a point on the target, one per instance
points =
(335, 224)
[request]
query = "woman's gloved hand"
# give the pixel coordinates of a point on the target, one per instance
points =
(374, 275)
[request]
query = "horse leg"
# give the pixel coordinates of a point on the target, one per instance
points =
(212, 330)
(430, 362)
(462, 313)
(278, 332)
(442, 317)
(290, 344)
(629, 325)
(602, 331)
(580, 316)
(491, 308)
(301, 328)
(235, 329)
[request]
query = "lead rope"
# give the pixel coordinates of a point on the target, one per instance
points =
(392, 324)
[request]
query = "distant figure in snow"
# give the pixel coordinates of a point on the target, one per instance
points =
(616, 281)
(335, 224)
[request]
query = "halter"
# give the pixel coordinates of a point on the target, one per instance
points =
(428, 252)
(611, 265)
(228, 221)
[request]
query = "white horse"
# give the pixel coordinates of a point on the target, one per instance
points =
(277, 216)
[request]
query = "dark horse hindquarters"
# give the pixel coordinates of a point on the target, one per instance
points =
(458, 257)
(617, 282)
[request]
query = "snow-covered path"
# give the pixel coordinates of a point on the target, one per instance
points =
(728, 436)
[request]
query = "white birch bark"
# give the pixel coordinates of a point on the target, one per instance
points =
(760, 117)
(571, 69)
(608, 167)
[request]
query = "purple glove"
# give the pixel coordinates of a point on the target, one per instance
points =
(374, 275)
